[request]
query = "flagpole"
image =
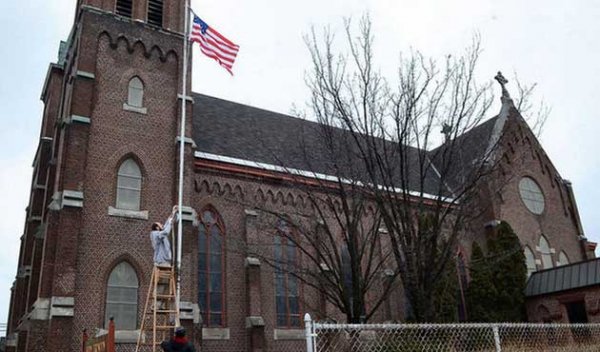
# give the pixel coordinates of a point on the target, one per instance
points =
(181, 155)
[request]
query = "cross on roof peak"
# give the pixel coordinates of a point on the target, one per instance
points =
(503, 81)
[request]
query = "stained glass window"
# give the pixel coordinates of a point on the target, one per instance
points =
(287, 289)
(211, 265)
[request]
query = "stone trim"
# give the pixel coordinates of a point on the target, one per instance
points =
(250, 212)
(34, 218)
(24, 271)
(186, 140)
(85, 74)
(72, 199)
(255, 321)
(131, 214)
(11, 340)
(388, 273)
(189, 311)
(189, 214)
(215, 334)
(289, 334)
(62, 306)
(552, 250)
(126, 336)
(251, 261)
(78, 118)
(136, 109)
(55, 204)
(122, 336)
(41, 309)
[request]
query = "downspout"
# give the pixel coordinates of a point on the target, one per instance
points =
(577, 219)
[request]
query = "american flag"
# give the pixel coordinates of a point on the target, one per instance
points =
(213, 44)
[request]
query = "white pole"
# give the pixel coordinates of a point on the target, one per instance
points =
(308, 333)
(181, 154)
(497, 338)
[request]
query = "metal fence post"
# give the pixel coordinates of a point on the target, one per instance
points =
(497, 338)
(309, 333)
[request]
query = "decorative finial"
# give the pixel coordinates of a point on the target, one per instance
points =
(502, 80)
(446, 130)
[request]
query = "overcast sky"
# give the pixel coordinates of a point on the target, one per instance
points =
(552, 42)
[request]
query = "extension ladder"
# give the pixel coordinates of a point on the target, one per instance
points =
(161, 314)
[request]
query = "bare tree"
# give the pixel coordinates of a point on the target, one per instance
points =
(422, 194)
(342, 253)
(535, 114)
(387, 194)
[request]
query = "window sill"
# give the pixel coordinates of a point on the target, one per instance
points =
(122, 336)
(126, 336)
(128, 107)
(131, 214)
(215, 333)
(289, 334)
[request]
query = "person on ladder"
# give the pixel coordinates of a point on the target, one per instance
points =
(160, 241)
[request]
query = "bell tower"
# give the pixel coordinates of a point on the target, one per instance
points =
(164, 14)
(112, 105)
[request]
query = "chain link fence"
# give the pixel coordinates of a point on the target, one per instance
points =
(325, 337)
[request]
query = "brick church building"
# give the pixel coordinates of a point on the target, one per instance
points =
(106, 168)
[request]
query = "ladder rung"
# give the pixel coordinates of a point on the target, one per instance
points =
(164, 296)
(159, 306)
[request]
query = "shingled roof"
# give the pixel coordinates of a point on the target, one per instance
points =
(469, 150)
(234, 130)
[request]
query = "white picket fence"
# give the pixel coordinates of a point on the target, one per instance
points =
(327, 337)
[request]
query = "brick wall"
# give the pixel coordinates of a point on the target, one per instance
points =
(524, 157)
(551, 308)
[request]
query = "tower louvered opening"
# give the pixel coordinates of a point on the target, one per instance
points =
(155, 12)
(124, 8)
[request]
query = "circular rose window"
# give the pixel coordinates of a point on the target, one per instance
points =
(531, 195)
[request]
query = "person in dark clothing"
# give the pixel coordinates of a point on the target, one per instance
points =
(178, 343)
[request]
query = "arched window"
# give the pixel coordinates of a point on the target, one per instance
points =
(287, 290)
(129, 185)
(544, 249)
(124, 8)
(347, 272)
(135, 96)
(529, 261)
(211, 268)
(122, 297)
(463, 283)
(543, 314)
(563, 259)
